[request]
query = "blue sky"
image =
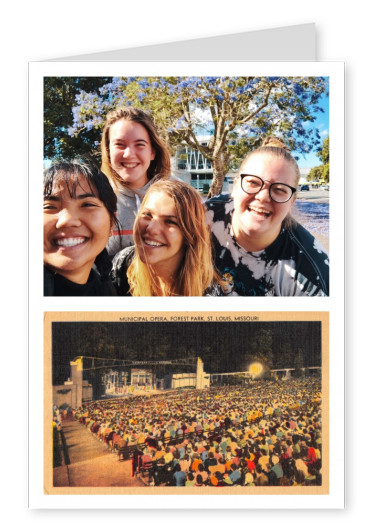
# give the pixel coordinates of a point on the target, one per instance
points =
(322, 123)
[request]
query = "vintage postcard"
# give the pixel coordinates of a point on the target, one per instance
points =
(186, 403)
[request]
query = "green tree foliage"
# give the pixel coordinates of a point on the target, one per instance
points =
(321, 172)
(59, 98)
(323, 153)
(315, 174)
(235, 111)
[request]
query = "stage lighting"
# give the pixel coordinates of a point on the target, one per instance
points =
(256, 369)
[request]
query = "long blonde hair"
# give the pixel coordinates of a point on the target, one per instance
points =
(160, 167)
(196, 272)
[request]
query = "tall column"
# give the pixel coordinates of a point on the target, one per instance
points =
(76, 377)
(199, 374)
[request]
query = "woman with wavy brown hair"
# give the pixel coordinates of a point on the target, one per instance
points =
(172, 253)
(134, 156)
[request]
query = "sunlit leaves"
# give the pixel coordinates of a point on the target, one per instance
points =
(234, 110)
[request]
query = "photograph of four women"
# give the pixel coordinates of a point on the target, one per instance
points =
(131, 228)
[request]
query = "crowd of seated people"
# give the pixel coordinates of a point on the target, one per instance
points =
(264, 434)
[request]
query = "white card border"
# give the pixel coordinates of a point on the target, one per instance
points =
(333, 304)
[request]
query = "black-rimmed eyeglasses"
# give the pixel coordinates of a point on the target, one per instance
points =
(278, 192)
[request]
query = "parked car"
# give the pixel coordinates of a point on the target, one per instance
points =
(304, 188)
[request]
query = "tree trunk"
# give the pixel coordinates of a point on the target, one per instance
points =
(220, 167)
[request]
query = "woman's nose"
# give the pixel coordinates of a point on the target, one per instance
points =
(263, 193)
(127, 152)
(67, 218)
(153, 226)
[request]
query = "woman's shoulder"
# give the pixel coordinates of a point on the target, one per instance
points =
(123, 257)
(307, 241)
(120, 264)
(214, 290)
(218, 200)
(57, 285)
(48, 281)
(311, 257)
(219, 208)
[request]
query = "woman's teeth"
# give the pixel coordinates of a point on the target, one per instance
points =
(69, 242)
(260, 211)
(153, 244)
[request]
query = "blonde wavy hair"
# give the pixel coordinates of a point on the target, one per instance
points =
(159, 168)
(196, 272)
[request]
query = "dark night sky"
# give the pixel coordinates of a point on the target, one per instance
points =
(223, 346)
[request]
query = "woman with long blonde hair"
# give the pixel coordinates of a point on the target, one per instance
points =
(172, 253)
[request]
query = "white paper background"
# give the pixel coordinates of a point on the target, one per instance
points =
(42, 29)
(332, 304)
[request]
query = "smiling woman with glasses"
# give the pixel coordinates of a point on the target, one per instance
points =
(259, 248)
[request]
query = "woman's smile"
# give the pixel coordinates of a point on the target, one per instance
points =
(76, 230)
(131, 152)
(68, 243)
(160, 241)
(257, 219)
(259, 212)
(152, 243)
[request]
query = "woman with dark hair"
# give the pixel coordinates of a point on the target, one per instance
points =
(134, 157)
(172, 253)
(259, 248)
(79, 208)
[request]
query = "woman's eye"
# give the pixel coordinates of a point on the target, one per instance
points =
(280, 191)
(252, 182)
(171, 222)
(49, 207)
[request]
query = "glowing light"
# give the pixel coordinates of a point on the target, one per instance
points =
(255, 369)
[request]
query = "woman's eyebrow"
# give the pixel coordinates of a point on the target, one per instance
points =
(85, 196)
(51, 197)
(135, 140)
(148, 211)
(57, 197)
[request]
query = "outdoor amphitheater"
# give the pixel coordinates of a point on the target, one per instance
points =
(230, 430)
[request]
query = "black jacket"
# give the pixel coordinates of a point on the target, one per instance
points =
(59, 286)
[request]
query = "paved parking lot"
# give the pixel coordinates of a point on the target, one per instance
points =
(317, 196)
